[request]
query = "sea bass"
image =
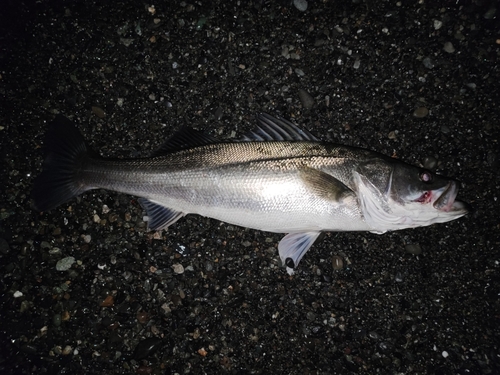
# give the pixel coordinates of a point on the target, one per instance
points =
(277, 178)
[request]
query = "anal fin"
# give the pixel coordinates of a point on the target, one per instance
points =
(160, 217)
(293, 247)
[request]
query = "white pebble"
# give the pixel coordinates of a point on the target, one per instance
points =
(299, 72)
(300, 5)
(65, 264)
(178, 268)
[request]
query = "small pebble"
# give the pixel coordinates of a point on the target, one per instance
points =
(4, 246)
(310, 316)
(444, 129)
(414, 249)
(299, 72)
(201, 22)
(459, 36)
(437, 24)
(492, 159)
(300, 5)
(490, 13)
(147, 347)
(65, 316)
(56, 320)
(398, 277)
(284, 52)
(421, 112)
(142, 317)
(108, 301)
(178, 268)
(337, 262)
(65, 263)
(448, 47)
(99, 112)
(428, 62)
(306, 99)
(208, 266)
(67, 350)
(430, 163)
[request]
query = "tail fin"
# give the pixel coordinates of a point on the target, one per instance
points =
(65, 152)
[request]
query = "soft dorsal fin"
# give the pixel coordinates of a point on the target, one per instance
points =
(183, 139)
(271, 128)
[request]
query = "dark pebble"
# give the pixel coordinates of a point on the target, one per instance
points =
(337, 262)
(306, 99)
(147, 347)
(421, 112)
(430, 163)
(4, 246)
(414, 249)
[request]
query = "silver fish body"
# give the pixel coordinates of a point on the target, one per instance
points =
(260, 185)
(278, 179)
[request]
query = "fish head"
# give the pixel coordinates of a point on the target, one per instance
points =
(395, 195)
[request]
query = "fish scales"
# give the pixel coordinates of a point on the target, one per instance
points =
(222, 180)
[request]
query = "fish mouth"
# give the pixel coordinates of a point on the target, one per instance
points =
(446, 201)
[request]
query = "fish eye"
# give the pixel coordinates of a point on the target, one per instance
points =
(425, 176)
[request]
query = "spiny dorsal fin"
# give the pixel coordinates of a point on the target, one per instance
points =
(183, 139)
(271, 128)
(268, 128)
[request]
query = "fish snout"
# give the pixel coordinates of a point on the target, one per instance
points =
(446, 201)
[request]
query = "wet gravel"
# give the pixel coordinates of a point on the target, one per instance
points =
(85, 289)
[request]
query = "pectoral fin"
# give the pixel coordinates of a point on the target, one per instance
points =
(325, 185)
(293, 247)
(160, 217)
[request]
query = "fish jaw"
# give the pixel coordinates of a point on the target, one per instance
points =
(382, 213)
(446, 201)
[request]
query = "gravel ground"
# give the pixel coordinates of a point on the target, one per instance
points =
(417, 80)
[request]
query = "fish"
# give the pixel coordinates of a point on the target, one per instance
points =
(276, 178)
